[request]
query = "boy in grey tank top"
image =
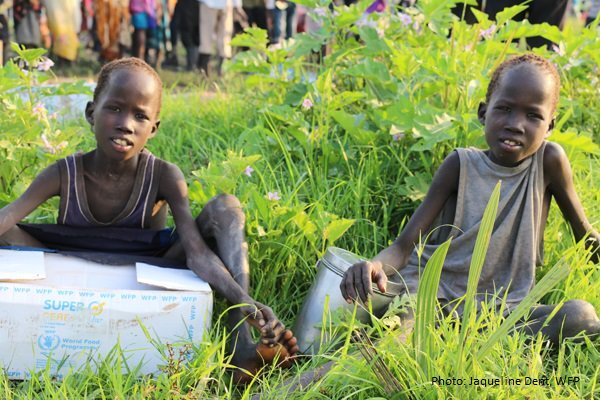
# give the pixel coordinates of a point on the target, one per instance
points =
(120, 186)
(518, 116)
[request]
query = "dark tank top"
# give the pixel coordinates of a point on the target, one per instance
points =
(137, 213)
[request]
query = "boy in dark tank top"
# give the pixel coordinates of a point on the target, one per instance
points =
(113, 203)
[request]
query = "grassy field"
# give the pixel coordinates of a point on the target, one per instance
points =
(386, 106)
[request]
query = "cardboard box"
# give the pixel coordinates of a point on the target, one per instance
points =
(63, 310)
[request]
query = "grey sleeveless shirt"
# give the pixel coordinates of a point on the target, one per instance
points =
(516, 245)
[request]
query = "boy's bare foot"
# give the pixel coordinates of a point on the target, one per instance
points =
(250, 361)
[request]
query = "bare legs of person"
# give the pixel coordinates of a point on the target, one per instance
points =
(221, 224)
(571, 319)
(139, 43)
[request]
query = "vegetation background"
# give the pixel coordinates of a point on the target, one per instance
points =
(338, 152)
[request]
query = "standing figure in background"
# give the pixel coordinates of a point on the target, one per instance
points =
(112, 16)
(155, 38)
(256, 10)
(143, 19)
(591, 9)
(289, 8)
(186, 19)
(171, 35)
(26, 16)
(64, 21)
(216, 29)
(4, 33)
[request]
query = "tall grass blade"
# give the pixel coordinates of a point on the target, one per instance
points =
(479, 252)
(426, 304)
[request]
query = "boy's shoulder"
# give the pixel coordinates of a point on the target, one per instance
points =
(553, 152)
(556, 162)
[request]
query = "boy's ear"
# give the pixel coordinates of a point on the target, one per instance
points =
(155, 128)
(89, 112)
(481, 110)
(551, 126)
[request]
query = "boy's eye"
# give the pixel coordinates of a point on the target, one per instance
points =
(113, 108)
(503, 108)
(534, 115)
(141, 116)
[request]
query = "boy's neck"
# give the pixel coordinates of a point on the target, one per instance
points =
(101, 165)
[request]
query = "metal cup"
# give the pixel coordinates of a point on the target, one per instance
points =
(330, 270)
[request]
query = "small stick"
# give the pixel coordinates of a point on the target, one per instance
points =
(392, 379)
(382, 372)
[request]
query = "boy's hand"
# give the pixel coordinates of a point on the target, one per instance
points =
(358, 278)
(264, 319)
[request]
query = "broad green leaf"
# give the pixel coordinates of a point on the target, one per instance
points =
(509, 12)
(336, 228)
(254, 38)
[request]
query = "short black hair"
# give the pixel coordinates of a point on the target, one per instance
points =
(527, 58)
(127, 63)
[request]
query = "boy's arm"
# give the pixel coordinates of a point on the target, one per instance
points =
(557, 170)
(357, 280)
(203, 261)
(44, 186)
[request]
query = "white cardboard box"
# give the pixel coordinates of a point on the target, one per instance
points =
(64, 310)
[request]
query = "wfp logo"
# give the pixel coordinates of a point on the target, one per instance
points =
(96, 307)
(48, 342)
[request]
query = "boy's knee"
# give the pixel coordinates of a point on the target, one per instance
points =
(227, 208)
(578, 316)
(225, 200)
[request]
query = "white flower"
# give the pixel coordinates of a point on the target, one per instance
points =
(273, 196)
(405, 19)
(487, 33)
(45, 65)
(560, 49)
(248, 171)
(307, 104)
(320, 11)
(39, 111)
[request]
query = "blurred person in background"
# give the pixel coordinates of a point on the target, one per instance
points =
(26, 17)
(256, 10)
(216, 30)
(590, 9)
(171, 36)
(143, 19)
(4, 32)
(112, 23)
(64, 22)
(186, 19)
(289, 9)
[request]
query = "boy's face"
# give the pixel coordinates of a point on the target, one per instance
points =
(124, 116)
(519, 115)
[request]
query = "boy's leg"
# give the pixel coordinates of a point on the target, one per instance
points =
(18, 237)
(573, 318)
(221, 224)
